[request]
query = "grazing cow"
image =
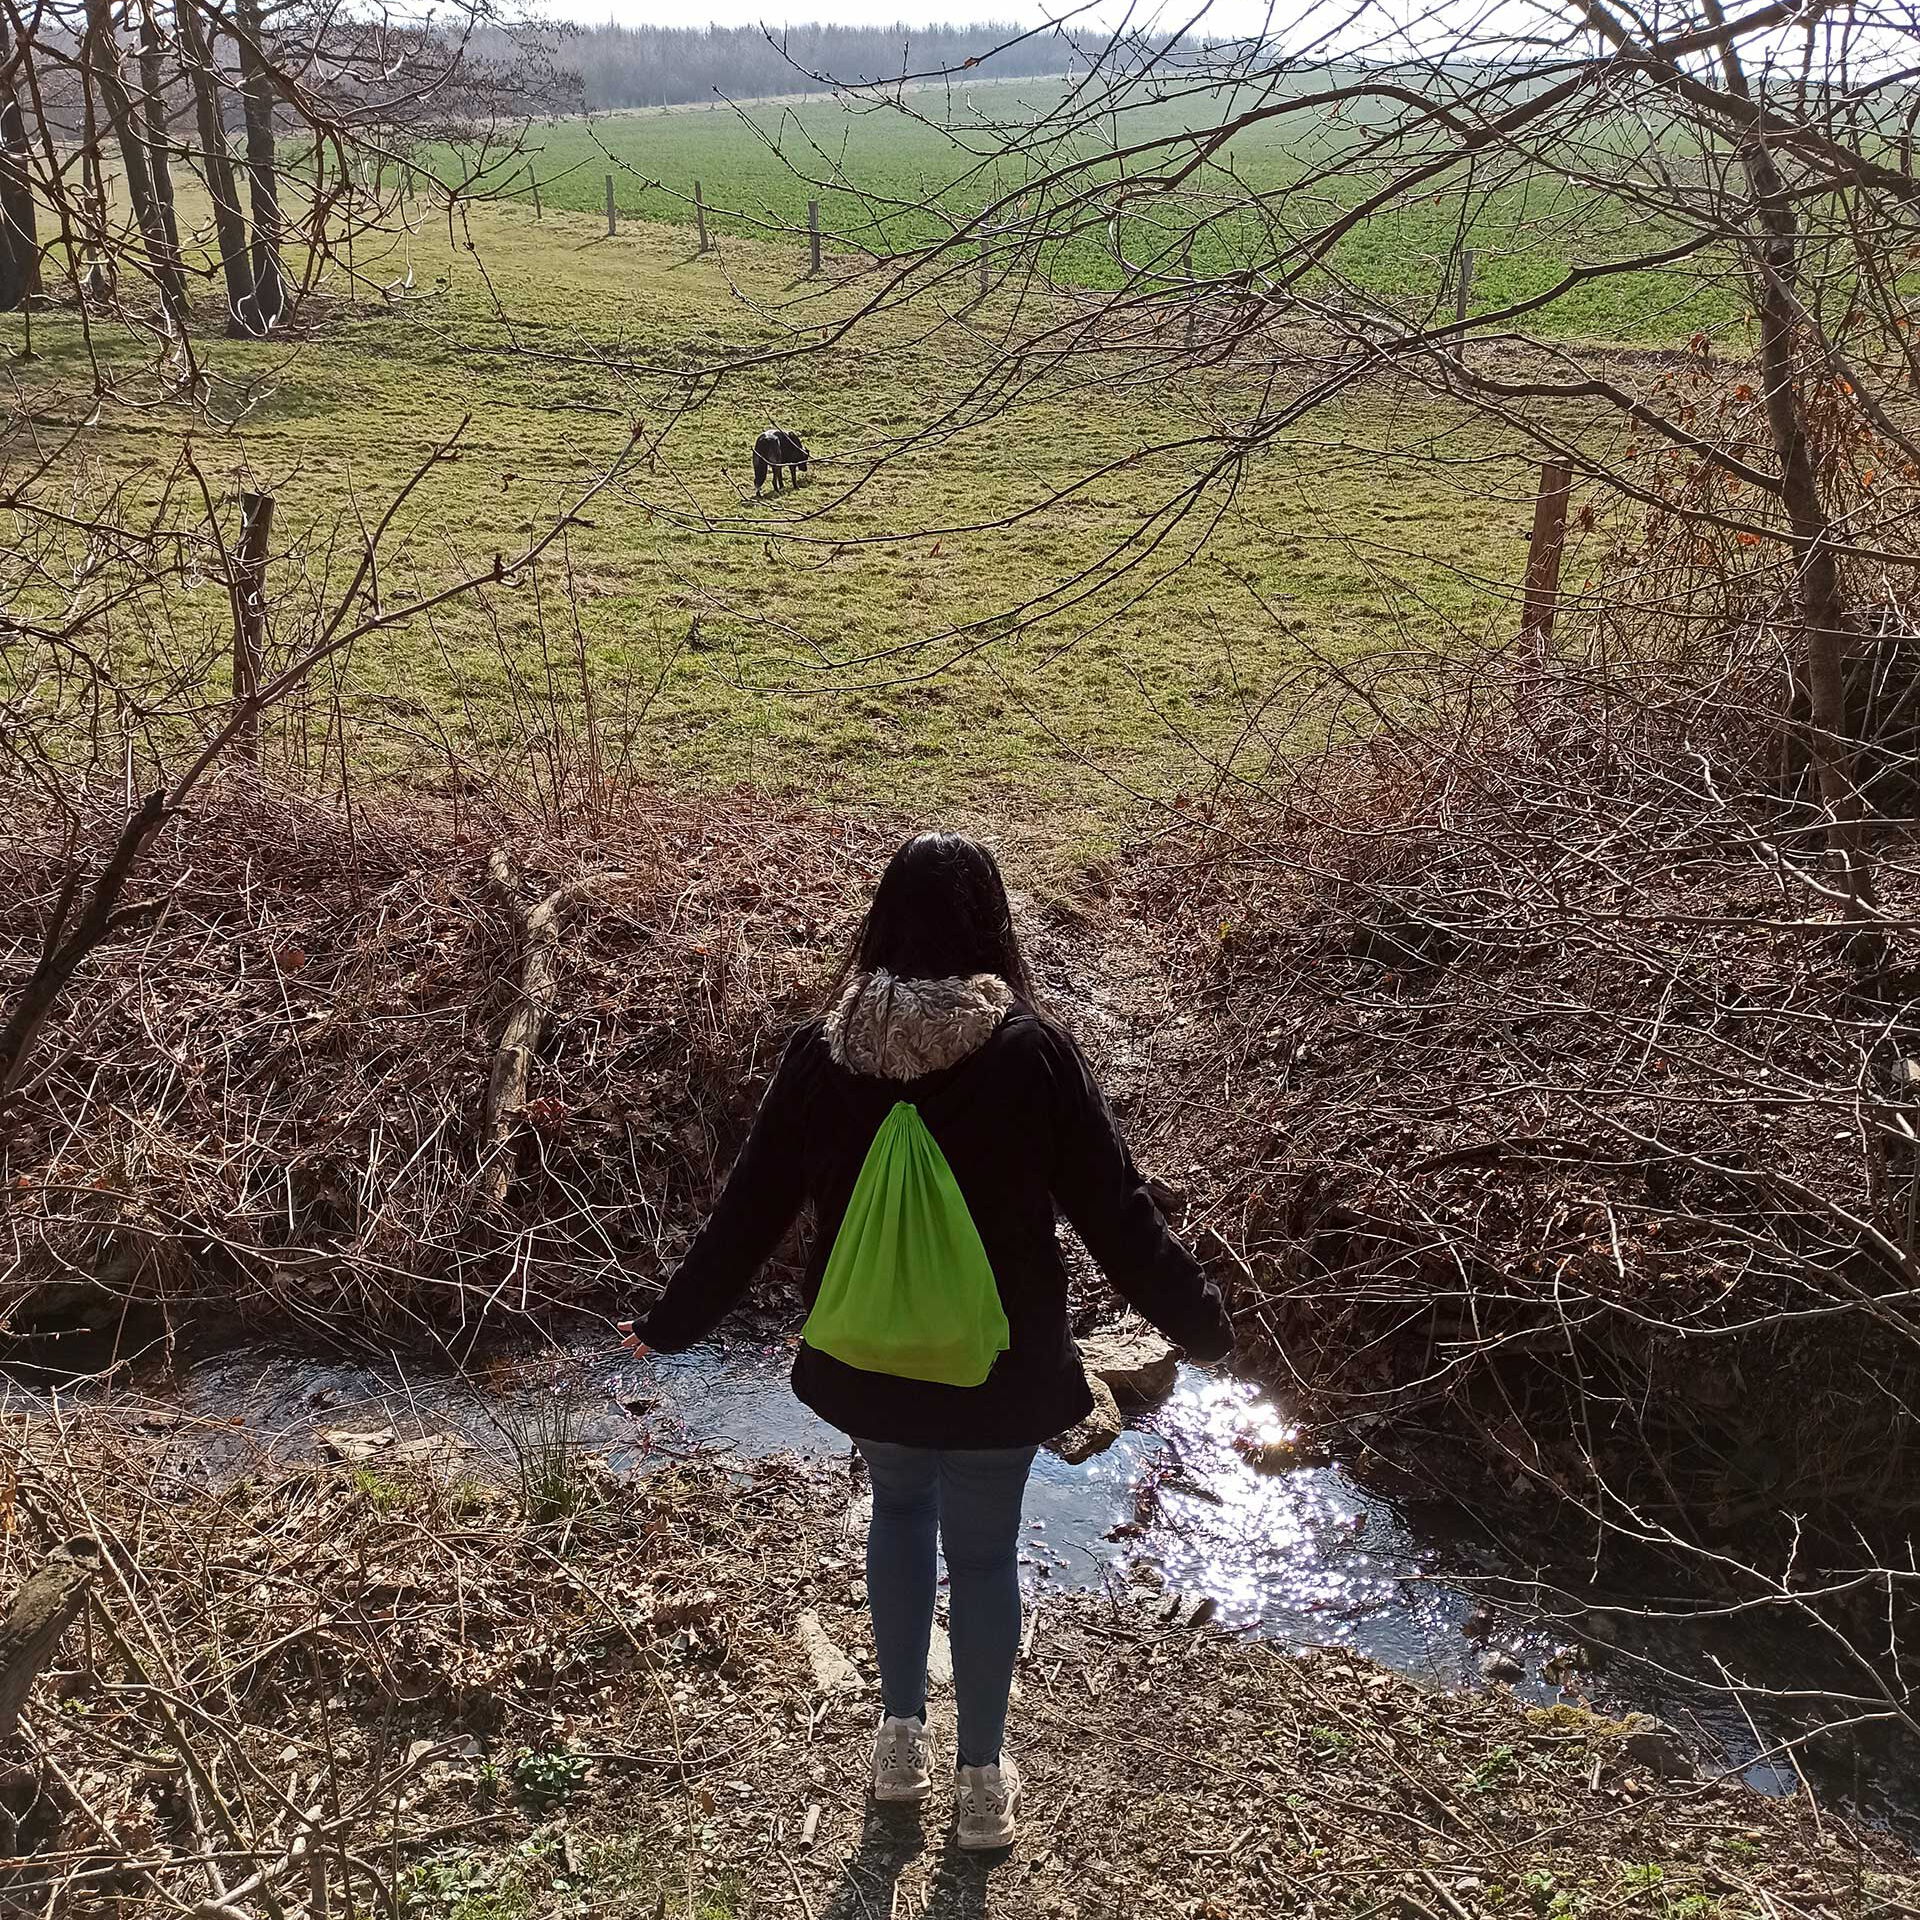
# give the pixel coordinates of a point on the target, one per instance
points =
(777, 448)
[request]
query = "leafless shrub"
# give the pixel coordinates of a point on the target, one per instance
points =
(272, 1098)
(1568, 1158)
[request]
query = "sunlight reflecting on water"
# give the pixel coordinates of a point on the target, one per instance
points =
(1272, 1541)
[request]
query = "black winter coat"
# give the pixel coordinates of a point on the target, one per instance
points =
(1026, 1131)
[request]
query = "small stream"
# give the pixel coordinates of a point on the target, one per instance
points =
(1175, 1511)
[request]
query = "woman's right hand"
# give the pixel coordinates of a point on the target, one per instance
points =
(631, 1341)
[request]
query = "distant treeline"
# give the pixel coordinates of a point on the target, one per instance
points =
(662, 66)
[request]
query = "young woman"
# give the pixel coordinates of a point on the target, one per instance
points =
(935, 1007)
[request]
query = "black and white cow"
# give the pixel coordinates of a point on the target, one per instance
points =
(775, 449)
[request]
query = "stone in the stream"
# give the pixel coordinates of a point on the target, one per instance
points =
(1096, 1433)
(1184, 1610)
(1562, 1666)
(358, 1445)
(1648, 1744)
(1501, 1666)
(833, 1672)
(1133, 1360)
(940, 1660)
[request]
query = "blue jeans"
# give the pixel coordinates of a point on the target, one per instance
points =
(971, 1499)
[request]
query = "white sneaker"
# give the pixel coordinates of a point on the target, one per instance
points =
(986, 1802)
(900, 1761)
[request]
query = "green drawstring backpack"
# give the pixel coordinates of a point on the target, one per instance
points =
(908, 1290)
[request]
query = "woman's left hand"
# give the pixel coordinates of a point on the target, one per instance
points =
(632, 1342)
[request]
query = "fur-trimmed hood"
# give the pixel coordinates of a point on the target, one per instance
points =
(894, 1029)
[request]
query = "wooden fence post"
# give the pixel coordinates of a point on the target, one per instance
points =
(983, 263)
(535, 178)
(611, 226)
(1462, 293)
(700, 213)
(813, 234)
(1540, 596)
(250, 614)
(42, 1611)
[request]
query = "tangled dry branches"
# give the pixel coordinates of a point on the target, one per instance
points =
(273, 1098)
(1558, 1106)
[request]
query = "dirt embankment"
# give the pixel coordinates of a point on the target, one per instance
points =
(1558, 1112)
(273, 1100)
(471, 1690)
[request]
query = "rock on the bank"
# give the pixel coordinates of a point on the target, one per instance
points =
(1133, 1361)
(833, 1672)
(1096, 1433)
(939, 1660)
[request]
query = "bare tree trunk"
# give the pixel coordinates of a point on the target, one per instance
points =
(216, 163)
(1540, 596)
(269, 298)
(154, 117)
(1818, 594)
(94, 271)
(103, 63)
(249, 589)
(19, 234)
(62, 952)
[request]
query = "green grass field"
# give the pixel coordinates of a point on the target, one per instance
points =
(847, 642)
(877, 171)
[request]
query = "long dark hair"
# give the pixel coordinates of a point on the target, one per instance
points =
(940, 910)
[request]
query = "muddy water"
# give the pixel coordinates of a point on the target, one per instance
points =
(1174, 1514)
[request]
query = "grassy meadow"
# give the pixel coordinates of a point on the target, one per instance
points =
(848, 642)
(888, 180)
